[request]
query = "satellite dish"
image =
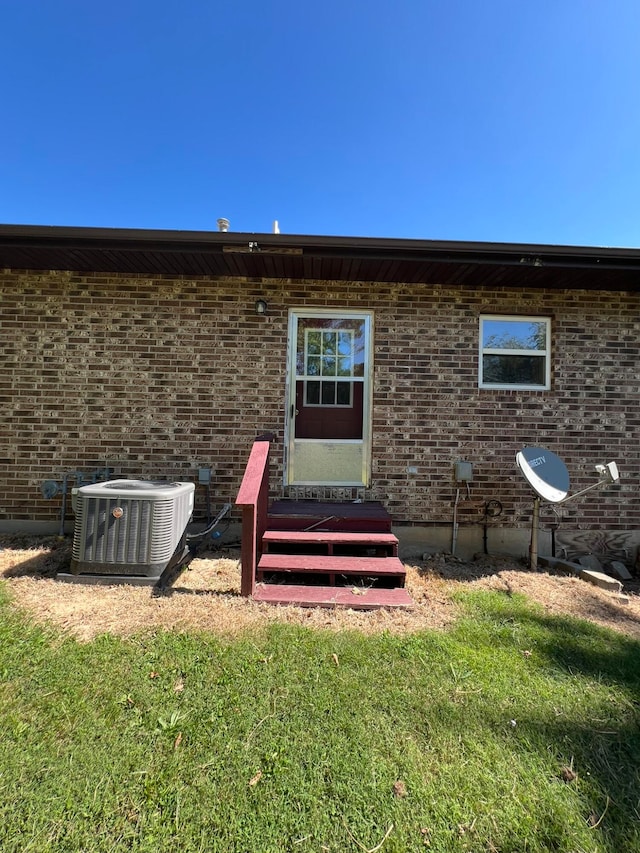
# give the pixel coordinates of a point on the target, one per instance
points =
(545, 472)
(547, 475)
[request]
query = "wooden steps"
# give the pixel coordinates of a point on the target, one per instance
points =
(317, 554)
(354, 598)
(332, 567)
(314, 553)
(330, 541)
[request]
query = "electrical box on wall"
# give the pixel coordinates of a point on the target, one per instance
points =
(463, 472)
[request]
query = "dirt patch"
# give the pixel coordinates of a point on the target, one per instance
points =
(206, 596)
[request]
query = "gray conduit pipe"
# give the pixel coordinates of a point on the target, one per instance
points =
(63, 510)
(454, 531)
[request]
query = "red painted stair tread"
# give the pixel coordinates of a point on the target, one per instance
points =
(354, 598)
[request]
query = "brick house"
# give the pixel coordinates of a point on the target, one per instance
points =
(377, 365)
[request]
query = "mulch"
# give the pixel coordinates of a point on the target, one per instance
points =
(206, 596)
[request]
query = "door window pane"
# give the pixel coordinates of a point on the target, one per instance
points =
(329, 366)
(329, 343)
(312, 393)
(329, 398)
(313, 343)
(328, 349)
(344, 366)
(341, 339)
(343, 393)
(328, 393)
(313, 365)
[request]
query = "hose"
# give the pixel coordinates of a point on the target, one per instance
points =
(198, 537)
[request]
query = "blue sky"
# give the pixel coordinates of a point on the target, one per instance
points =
(436, 119)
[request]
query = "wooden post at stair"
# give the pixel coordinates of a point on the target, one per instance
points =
(253, 498)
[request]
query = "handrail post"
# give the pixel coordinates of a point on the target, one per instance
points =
(253, 497)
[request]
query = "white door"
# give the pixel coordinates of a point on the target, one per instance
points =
(329, 416)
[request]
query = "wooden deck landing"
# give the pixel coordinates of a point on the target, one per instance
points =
(317, 515)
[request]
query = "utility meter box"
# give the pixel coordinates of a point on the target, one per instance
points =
(463, 472)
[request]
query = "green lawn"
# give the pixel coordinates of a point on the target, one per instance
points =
(299, 740)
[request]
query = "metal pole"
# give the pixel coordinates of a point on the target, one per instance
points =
(454, 529)
(63, 508)
(533, 548)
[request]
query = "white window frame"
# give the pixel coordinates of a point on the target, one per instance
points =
(546, 353)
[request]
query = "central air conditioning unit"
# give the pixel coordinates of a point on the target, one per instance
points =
(130, 530)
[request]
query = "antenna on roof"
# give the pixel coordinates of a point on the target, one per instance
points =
(223, 224)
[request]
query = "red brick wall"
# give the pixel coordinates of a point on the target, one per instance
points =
(428, 399)
(156, 377)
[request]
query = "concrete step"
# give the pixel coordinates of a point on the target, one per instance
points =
(600, 579)
(354, 598)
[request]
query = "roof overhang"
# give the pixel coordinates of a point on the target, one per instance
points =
(292, 256)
